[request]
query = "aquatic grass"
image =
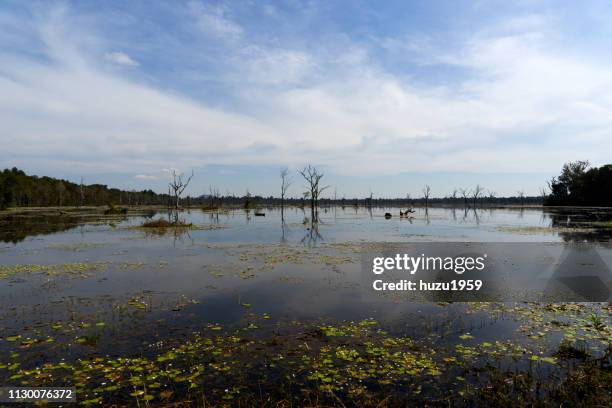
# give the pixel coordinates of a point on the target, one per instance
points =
(75, 269)
(358, 363)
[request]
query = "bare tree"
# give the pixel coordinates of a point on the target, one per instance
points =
(521, 196)
(426, 192)
(478, 190)
(313, 179)
(543, 193)
(492, 195)
(285, 183)
(465, 194)
(454, 195)
(214, 197)
(178, 185)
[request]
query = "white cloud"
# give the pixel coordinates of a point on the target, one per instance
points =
(213, 20)
(121, 58)
(529, 106)
(145, 177)
(272, 66)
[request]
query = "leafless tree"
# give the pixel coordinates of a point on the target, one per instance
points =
(178, 185)
(454, 195)
(285, 183)
(543, 193)
(465, 194)
(492, 195)
(214, 197)
(313, 180)
(521, 196)
(478, 190)
(426, 192)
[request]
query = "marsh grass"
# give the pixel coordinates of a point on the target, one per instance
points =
(112, 210)
(162, 223)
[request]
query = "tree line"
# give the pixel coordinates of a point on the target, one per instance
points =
(578, 184)
(581, 185)
(17, 189)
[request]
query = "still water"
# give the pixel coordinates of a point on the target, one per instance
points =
(135, 287)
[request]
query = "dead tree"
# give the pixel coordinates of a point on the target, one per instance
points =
(426, 192)
(465, 193)
(214, 197)
(285, 183)
(178, 186)
(476, 193)
(492, 195)
(313, 180)
(521, 196)
(543, 193)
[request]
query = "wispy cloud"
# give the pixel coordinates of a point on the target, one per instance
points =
(145, 177)
(213, 20)
(121, 58)
(525, 102)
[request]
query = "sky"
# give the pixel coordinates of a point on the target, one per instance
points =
(382, 97)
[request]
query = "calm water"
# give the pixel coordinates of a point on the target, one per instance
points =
(148, 287)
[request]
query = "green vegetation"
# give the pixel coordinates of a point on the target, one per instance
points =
(112, 210)
(21, 190)
(161, 223)
(332, 364)
(580, 185)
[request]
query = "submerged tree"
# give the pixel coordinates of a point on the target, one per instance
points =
(426, 193)
(478, 190)
(465, 194)
(521, 196)
(492, 195)
(285, 183)
(178, 185)
(313, 180)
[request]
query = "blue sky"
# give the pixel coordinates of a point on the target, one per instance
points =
(382, 96)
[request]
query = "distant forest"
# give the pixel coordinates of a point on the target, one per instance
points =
(581, 185)
(17, 189)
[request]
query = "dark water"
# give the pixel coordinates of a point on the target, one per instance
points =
(148, 286)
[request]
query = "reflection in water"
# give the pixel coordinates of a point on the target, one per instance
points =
(581, 225)
(173, 283)
(354, 223)
(313, 236)
(16, 228)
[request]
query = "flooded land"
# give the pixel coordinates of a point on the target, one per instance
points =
(234, 308)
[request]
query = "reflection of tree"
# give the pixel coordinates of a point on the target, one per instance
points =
(476, 217)
(283, 228)
(16, 228)
(580, 226)
(178, 234)
(313, 236)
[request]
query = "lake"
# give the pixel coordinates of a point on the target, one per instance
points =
(79, 286)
